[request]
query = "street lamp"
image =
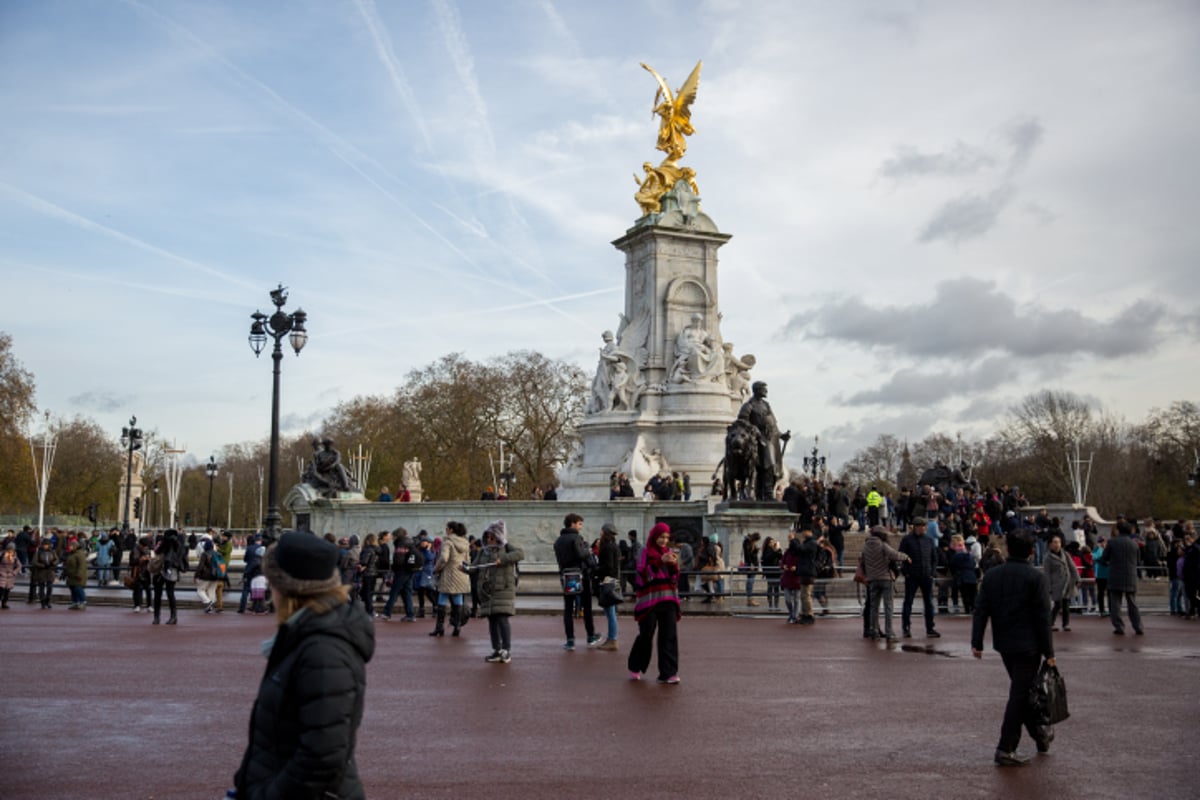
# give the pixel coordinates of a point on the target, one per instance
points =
(210, 469)
(157, 513)
(815, 463)
(131, 439)
(277, 326)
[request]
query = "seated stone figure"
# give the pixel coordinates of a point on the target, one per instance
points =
(325, 472)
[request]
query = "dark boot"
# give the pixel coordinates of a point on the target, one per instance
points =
(463, 617)
(173, 620)
(457, 618)
(155, 622)
(440, 630)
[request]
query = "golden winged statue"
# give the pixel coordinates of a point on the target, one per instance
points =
(676, 112)
(675, 109)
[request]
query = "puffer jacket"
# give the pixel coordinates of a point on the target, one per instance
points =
(455, 552)
(9, 567)
(1121, 558)
(304, 724)
(877, 558)
(43, 563)
(498, 584)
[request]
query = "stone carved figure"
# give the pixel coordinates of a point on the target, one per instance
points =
(740, 464)
(737, 372)
(411, 475)
(769, 463)
(641, 464)
(697, 358)
(325, 472)
(618, 384)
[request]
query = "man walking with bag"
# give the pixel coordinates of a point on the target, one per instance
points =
(1016, 598)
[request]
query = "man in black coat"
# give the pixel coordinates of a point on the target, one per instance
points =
(1121, 558)
(918, 574)
(573, 553)
(1016, 598)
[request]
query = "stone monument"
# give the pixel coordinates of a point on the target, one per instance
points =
(137, 490)
(667, 384)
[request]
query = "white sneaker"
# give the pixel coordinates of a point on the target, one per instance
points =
(505, 657)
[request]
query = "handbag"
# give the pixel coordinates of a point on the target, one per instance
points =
(170, 574)
(572, 581)
(860, 571)
(610, 593)
(1048, 696)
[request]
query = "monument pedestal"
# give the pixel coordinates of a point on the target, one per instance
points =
(734, 521)
(667, 385)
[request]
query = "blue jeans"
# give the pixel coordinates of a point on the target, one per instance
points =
(1178, 597)
(911, 585)
(400, 584)
(880, 592)
(78, 595)
(454, 599)
(610, 614)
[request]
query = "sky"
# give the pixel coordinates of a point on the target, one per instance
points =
(937, 208)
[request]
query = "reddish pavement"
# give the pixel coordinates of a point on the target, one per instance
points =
(101, 704)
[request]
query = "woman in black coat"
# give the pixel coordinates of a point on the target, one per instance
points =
(305, 720)
(174, 564)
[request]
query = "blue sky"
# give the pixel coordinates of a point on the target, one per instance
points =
(936, 207)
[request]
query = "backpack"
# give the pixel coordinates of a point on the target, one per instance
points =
(824, 564)
(217, 566)
(155, 567)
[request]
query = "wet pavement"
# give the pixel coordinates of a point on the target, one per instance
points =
(101, 704)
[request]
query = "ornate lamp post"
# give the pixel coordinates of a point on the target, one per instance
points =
(210, 469)
(814, 464)
(131, 439)
(276, 326)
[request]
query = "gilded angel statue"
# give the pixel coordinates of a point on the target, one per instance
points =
(676, 112)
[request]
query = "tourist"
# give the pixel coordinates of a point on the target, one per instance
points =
(139, 565)
(10, 565)
(385, 496)
(964, 571)
(772, 557)
(368, 572)
(173, 562)
(206, 576)
(826, 563)
(252, 558)
(572, 553)
(45, 560)
(1062, 579)
(1176, 563)
(750, 565)
(920, 566)
(426, 583)
(629, 557)
(104, 559)
(1121, 558)
(878, 557)
(799, 574)
(1015, 598)
(452, 580)
(407, 562)
(1191, 573)
(310, 702)
(496, 563)
(657, 608)
(608, 567)
(1085, 564)
(76, 572)
(1101, 574)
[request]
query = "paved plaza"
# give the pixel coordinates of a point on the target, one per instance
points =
(100, 704)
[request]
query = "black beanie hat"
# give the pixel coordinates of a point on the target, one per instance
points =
(301, 565)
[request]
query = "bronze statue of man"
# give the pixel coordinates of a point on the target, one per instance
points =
(757, 412)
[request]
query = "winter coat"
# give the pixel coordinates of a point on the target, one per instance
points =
(1061, 575)
(570, 550)
(368, 561)
(962, 568)
(9, 567)
(1015, 596)
(454, 553)
(77, 567)
(498, 584)
(609, 560)
(1121, 558)
(877, 558)
(657, 582)
(43, 563)
(304, 724)
(924, 554)
(104, 553)
(174, 555)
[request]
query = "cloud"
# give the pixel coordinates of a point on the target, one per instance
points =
(915, 388)
(1023, 136)
(969, 317)
(387, 56)
(100, 401)
(967, 217)
(960, 159)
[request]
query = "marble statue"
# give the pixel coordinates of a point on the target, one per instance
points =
(618, 384)
(411, 478)
(696, 357)
(737, 372)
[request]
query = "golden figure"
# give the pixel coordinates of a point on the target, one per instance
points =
(676, 113)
